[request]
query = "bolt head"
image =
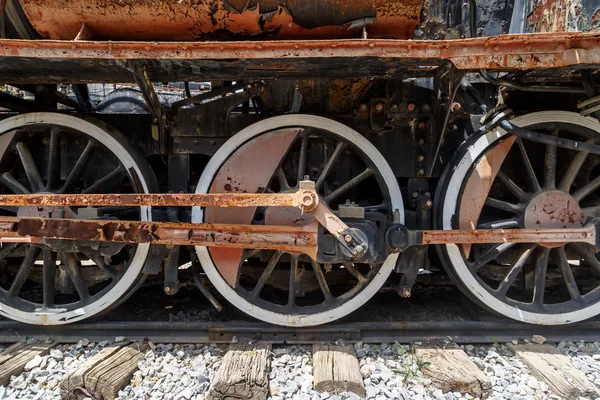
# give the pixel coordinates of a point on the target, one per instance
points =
(348, 238)
(379, 107)
(363, 107)
(167, 289)
(410, 107)
(421, 172)
(415, 195)
(360, 248)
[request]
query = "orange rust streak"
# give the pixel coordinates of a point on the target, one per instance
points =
(478, 187)
(504, 52)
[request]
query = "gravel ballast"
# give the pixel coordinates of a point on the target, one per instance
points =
(389, 371)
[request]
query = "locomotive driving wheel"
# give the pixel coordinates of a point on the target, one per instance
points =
(274, 155)
(58, 282)
(500, 181)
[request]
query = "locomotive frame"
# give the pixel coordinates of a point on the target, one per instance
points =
(401, 108)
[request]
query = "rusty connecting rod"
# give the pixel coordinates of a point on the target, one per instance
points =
(302, 199)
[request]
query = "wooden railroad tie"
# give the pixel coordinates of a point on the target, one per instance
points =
(103, 375)
(548, 364)
(451, 370)
(16, 356)
(244, 373)
(336, 369)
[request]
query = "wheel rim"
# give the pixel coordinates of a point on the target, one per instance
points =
(523, 289)
(100, 145)
(256, 306)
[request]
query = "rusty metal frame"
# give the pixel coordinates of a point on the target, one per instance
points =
(499, 53)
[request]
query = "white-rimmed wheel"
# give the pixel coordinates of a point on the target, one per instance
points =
(273, 156)
(65, 281)
(499, 181)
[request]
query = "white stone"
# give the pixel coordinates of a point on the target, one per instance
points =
(33, 363)
(539, 339)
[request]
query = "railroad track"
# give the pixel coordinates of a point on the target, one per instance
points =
(250, 363)
(488, 331)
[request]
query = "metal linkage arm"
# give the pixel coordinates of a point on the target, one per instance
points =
(286, 238)
(399, 237)
(156, 200)
(303, 239)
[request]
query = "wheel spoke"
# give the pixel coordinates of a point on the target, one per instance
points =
(78, 168)
(13, 184)
(591, 211)
(567, 274)
(322, 282)
(282, 179)
(569, 177)
(489, 255)
(103, 181)
(550, 164)
(292, 287)
(512, 186)
(503, 224)
(53, 159)
(49, 275)
(353, 271)
(303, 156)
(532, 180)
(109, 270)
(7, 249)
(515, 269)
(541, 267)
(586, 189)
(503, 205)
(73, 268)
(31, 170)
(266, 274)
(587, 254)
(339, 148)
(349, 185)
(24, 270)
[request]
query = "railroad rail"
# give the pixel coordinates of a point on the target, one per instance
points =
(488, 331)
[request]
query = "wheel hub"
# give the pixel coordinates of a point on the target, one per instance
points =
(553, 209)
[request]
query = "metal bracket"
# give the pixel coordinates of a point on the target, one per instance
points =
(140, 75)
(212, 109)
(171, 283)
(409, 263)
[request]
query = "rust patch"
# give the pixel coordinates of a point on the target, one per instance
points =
(564, 16)
(223, 19)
